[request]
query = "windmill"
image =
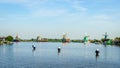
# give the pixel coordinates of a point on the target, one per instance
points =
(17, 38)
(64, 38)
(86, 39)
(39, 38)
(105, 36)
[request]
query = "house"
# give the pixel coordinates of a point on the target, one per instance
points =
(2, 38)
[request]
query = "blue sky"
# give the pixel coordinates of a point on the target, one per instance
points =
(52, 18)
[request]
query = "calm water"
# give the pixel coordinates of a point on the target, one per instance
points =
(72, 55)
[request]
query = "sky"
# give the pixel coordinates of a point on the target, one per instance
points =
(53, 18)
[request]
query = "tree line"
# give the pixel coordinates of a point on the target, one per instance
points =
(115, 41)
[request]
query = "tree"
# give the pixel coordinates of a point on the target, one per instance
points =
(9, 38)
(117, 38)
(117, 41)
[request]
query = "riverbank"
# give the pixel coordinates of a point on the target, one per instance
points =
(6, 42)
(9, 39)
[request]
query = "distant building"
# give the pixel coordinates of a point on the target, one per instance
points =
(105, 36)
(105, 40)
(39, 38)
(2, 38)
(16, 39)
(44, 40)
(65, 39)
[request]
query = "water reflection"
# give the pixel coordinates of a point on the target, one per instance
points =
(97, 57)
(33, 50)
(105, 52)
(64, 43)
(16, 43)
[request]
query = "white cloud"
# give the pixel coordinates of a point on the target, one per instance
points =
(76, 4)
(74, 1)
(80, 8)
(48, 12)
(36, 3)
(28, 3)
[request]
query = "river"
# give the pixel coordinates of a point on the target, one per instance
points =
(46, 55)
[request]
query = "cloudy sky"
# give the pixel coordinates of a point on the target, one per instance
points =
(52, 18)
